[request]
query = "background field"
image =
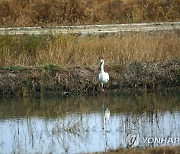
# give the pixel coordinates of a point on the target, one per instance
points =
(71, 12)
(78, 50)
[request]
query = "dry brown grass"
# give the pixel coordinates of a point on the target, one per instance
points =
(59, 12)
(77, 50)
(155, 150)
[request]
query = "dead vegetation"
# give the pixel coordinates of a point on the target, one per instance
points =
(155, 150)
(34, 65)
(72, 50)
(65, 12)
(40, 81)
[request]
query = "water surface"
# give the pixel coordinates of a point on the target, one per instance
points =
(88, 123)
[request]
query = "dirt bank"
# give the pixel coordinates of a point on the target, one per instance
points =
(25, 81)
(155, 150)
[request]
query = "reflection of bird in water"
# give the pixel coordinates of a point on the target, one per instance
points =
(106, 114)
(103, 76)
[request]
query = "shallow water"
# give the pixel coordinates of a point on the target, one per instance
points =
(89, 123)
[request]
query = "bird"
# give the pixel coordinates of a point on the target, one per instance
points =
(103, 76)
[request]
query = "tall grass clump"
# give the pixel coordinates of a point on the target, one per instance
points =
(65, 12)
(21, 50)
(66, 50)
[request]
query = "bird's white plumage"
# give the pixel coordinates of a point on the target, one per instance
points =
(103, 76)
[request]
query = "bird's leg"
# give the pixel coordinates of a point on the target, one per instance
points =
(107, 88)
(102, 86)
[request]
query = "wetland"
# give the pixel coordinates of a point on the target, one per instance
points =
(81, 124)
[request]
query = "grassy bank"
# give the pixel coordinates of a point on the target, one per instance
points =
(54, 79)
(156, 150)
(68, 50)
(34, 65)
(56, 12)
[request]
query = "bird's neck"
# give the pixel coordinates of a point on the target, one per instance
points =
(102, 68)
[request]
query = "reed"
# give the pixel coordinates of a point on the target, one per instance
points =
(67, 50)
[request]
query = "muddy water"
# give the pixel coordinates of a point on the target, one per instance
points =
(89, 123)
